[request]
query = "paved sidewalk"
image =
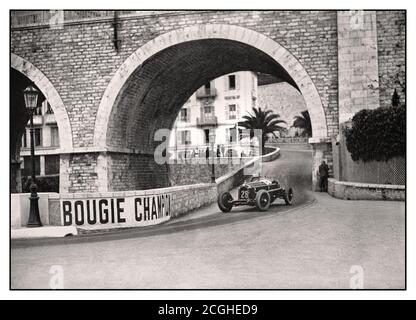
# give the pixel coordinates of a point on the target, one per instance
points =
(43, 232)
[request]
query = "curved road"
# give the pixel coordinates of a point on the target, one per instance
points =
(292, 168)
(307, 245)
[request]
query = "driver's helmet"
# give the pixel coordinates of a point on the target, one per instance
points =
(255, 177)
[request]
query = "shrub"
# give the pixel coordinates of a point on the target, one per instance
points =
(378, 134)
(45, 183)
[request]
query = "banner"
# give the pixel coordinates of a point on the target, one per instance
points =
(132, 211)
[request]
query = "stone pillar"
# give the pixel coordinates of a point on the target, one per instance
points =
(42, 165)
(64, 173)
(102, 172)
(79, 172)
(336, 157)
(358, 78)
(322, 150)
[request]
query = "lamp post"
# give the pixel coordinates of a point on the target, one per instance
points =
(212, 140)
(31, 101)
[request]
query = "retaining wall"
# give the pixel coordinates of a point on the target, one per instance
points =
(129, 208)
(365, 191)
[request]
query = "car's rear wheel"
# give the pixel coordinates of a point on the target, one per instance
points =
(225, 200)
(289, 195)
(262, 200)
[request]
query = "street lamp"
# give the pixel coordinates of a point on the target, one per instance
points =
(212, 140)
(31, 101)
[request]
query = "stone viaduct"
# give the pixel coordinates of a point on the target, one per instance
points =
(113, 81)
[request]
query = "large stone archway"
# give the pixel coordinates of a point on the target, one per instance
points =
(149, 88)
(228, 32)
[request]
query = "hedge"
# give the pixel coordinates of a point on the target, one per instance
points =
(44, 183)
(378, 134)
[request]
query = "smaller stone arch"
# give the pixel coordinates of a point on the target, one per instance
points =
(51, 94)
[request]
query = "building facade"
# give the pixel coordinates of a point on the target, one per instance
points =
(211, 116)
(46, 140)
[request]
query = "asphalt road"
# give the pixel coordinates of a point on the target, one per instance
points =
(307, 245)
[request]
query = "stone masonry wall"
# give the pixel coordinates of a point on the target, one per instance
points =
(140, 172)
(391, 42)
(365, 191)
(80, 59)
(135, 172)
(78, 172)
(357, 63)
(183, 174)
(188, 198)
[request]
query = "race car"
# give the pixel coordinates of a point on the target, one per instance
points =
(259, 192)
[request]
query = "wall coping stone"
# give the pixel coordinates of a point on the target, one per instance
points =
(368, 185)
(131, 193)
(365, 191)
(319, 140)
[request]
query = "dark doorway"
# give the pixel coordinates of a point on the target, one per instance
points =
(206, 131)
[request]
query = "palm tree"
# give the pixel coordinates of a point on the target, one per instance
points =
(265, 120)
(303, 121)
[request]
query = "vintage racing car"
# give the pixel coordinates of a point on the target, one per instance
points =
(259, 192)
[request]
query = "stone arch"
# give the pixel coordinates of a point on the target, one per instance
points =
(250, 38)
(51, 94)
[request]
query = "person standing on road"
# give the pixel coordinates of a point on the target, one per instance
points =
(323, 176)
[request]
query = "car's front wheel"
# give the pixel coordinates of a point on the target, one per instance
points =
(262, 200)
(225, 200)
(288, 197)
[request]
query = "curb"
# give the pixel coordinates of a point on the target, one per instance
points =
(43, 232)
(365, 191)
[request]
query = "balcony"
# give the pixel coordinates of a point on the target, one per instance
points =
(37, 120)
(206, 93)
(207, 121)
(50, 119)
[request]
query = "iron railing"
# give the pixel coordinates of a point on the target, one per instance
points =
(206, 93)
(207, 121)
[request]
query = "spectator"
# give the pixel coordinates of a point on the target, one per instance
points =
(323, 172)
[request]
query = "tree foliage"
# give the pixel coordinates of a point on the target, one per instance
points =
(378, 134)
(303, 121)
(265, 120)
(44, 183)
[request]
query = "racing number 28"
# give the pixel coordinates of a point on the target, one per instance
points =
(244, 194)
